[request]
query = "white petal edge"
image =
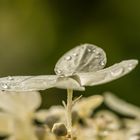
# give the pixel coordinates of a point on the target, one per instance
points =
(28, 83)
(121, 106)
(108, 74)
(68, 83)
(19, 103)
(86, 106)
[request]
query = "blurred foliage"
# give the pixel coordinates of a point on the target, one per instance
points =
(35, 33)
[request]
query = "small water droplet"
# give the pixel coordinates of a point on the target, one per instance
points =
(89, 50)
(102, 63)
(94, 50)
(130, 66)
(68, 58)
(75, 54)
(10, 78)
(117, 72)
(58, 71)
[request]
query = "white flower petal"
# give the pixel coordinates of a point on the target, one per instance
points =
(102, 118)
(27, 83)
(85, 106)
(68, 83)
(109, 74)
(6, 124)
(19, 102)
(83, 58)
(121, 106)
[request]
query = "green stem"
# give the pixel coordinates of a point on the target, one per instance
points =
(69, 110)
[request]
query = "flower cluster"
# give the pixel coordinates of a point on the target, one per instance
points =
(77, 119)
(20, 119)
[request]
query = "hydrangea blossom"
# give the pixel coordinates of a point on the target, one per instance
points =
(82, 66)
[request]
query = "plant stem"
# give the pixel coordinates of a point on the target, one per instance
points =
(69, 110)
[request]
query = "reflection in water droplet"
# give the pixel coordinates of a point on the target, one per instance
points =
(117, 72)
(68, 58)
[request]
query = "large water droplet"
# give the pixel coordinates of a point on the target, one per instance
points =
(117, 72)
(68, 58)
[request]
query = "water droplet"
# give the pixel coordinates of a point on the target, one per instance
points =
(117, 72)
(130, 66)
(102, 63)
(89, 50)
(10, 78)
(58, 71)
(68, 58)
(94, 50)
(75, 54)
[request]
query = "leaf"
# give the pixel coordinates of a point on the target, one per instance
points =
(27, 83)
(108, 74)
(121, 106)
(35, 83)
(68, 83)
(83, 58)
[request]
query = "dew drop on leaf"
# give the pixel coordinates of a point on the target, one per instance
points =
(68, 58)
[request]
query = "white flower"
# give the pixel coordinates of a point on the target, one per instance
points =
(6, 124)
(121, 106)
(82, 66)
(85, 106)
(17, 114)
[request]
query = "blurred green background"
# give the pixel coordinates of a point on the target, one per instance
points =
(35, 33)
